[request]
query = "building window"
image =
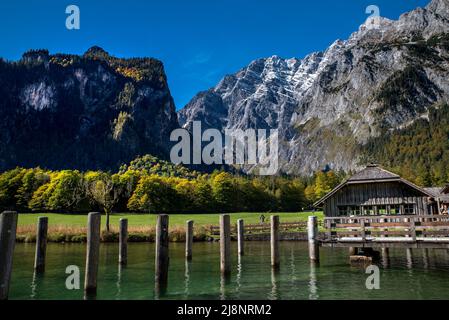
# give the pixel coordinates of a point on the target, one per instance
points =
(382, 210)
(369, 211)
(409, 209)
(395, 209)
(343, 211)
(354, 211)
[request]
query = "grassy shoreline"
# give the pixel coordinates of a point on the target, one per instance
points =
(72, 228)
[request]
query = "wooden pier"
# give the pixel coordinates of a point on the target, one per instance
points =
(261, 228)
(417, 231)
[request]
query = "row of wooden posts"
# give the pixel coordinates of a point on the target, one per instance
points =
(8, 227)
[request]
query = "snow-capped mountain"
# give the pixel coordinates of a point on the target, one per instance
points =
(329, 104)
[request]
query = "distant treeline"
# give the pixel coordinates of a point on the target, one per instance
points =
(150, 191)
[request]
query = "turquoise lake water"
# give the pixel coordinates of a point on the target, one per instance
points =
(422, 275)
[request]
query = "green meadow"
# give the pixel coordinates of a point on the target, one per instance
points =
(142, 220)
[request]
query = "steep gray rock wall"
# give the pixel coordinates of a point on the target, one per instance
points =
(86, 112)
(327, 105)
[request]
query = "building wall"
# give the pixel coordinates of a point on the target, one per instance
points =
(373, 198)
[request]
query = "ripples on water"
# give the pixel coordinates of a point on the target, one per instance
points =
(407, 274)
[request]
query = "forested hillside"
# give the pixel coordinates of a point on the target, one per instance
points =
(418, 152)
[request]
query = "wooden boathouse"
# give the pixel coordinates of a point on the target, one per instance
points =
(375, 191)
(377, 208)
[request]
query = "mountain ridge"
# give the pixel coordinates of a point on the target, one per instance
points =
(90, 111)
(97, 111)
(329, 104)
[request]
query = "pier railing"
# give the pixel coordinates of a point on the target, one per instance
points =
(366, 227)
(264, 228)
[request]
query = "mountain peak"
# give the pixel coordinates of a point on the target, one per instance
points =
(36, 55)
(96, 52)
(375, 23)
(275, 57)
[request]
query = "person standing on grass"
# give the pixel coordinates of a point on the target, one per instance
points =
(262, 218)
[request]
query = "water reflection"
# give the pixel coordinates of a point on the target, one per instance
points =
(225, 280)
(160, 289)
(186, 278)
(425, 256)
(90, 296)
(385, 252)
(239, 276)
(313, 288)
(274, 294)
(446, 255)
(35, 283)
(409, 261)
(292, 266)
(409, 257)
(119, 281)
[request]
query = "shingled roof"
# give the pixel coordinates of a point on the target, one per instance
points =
(440, 193)
(436, 191)
(373, 173)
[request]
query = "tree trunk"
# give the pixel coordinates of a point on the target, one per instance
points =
(107, 220)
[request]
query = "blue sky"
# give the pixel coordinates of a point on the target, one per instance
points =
(199, 41)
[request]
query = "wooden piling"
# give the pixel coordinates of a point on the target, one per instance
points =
(161, 257)
(412, 229)
(328, 225)
(384, 230)
(275, 257)
(363, 229)
(8, 228)
(189, 240)
(41, 245)
(314, 252)
(93, 252)
(312, 228)
(409, 257)
(123, 242)
(225, 244)
(240, 236)
(406, 220)
(312, 232)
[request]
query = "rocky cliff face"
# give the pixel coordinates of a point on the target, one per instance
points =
(88, 112)
(329, 104)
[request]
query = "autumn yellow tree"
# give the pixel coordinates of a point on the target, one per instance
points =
(100, 189)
